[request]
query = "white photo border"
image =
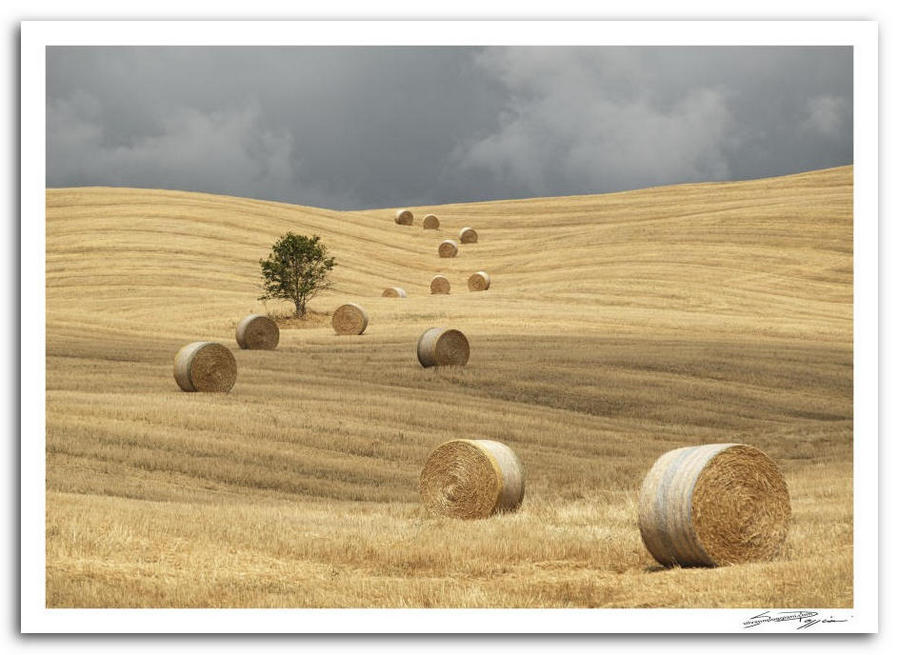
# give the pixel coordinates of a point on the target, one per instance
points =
(37, 35)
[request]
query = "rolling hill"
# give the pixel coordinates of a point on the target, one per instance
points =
(617, 327)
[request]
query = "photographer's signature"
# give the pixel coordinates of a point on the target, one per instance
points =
(805, 618)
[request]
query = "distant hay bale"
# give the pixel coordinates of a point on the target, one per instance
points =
(713, 505)
(430, 222)
(448, 248)
(468, 235)
(440, 284)
(350, 319)
(394, 292)
(479, 281)
(440, 346)
(404, 217)
(205, 366)
(472, 479)
(257, 332)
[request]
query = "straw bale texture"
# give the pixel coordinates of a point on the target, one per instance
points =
(472, 479)
(404, 217)
(479, 281)
(394, 292)
(257, 332)
(350, 319)
(430, 222)
(205, 366)
(440, 346)
(468, 235)
(713, 505)
(448, 248)
(440, 284)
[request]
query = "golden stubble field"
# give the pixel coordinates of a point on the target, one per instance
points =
(617, 327)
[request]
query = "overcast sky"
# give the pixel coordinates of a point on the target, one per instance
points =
(367, 127)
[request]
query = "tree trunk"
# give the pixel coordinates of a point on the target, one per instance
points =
(299, 308)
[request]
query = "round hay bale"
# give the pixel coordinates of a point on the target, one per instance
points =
(394, 292)
(448, 248)
(713, 505)
(440, 284)
(472, 479)
(257, 332)
(205, 366)
(479, 281)
(404, 217)
(468, 235)
(349, 319)
(430, 222)
(440, 346)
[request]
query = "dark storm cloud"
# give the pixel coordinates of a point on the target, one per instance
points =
(371, 127)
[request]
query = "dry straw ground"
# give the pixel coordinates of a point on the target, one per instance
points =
(618, 327)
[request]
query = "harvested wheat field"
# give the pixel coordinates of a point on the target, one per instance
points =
(627, 325)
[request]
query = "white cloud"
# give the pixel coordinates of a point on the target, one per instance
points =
(228, 151)
(827, 115)
(578, 123)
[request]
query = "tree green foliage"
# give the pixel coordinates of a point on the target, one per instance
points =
(296, 270)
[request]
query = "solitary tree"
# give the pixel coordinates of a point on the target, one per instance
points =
(296, 269)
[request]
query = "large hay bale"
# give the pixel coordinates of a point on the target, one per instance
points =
(448, 248)
(713, 505)
(479, 281)
(440, 284)
(468, 235)
(394, 292)
(257, 332)
(350, 319)
(472, 479)
(205, 366)
(440, 346)
(404, 217)
(430, 222)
